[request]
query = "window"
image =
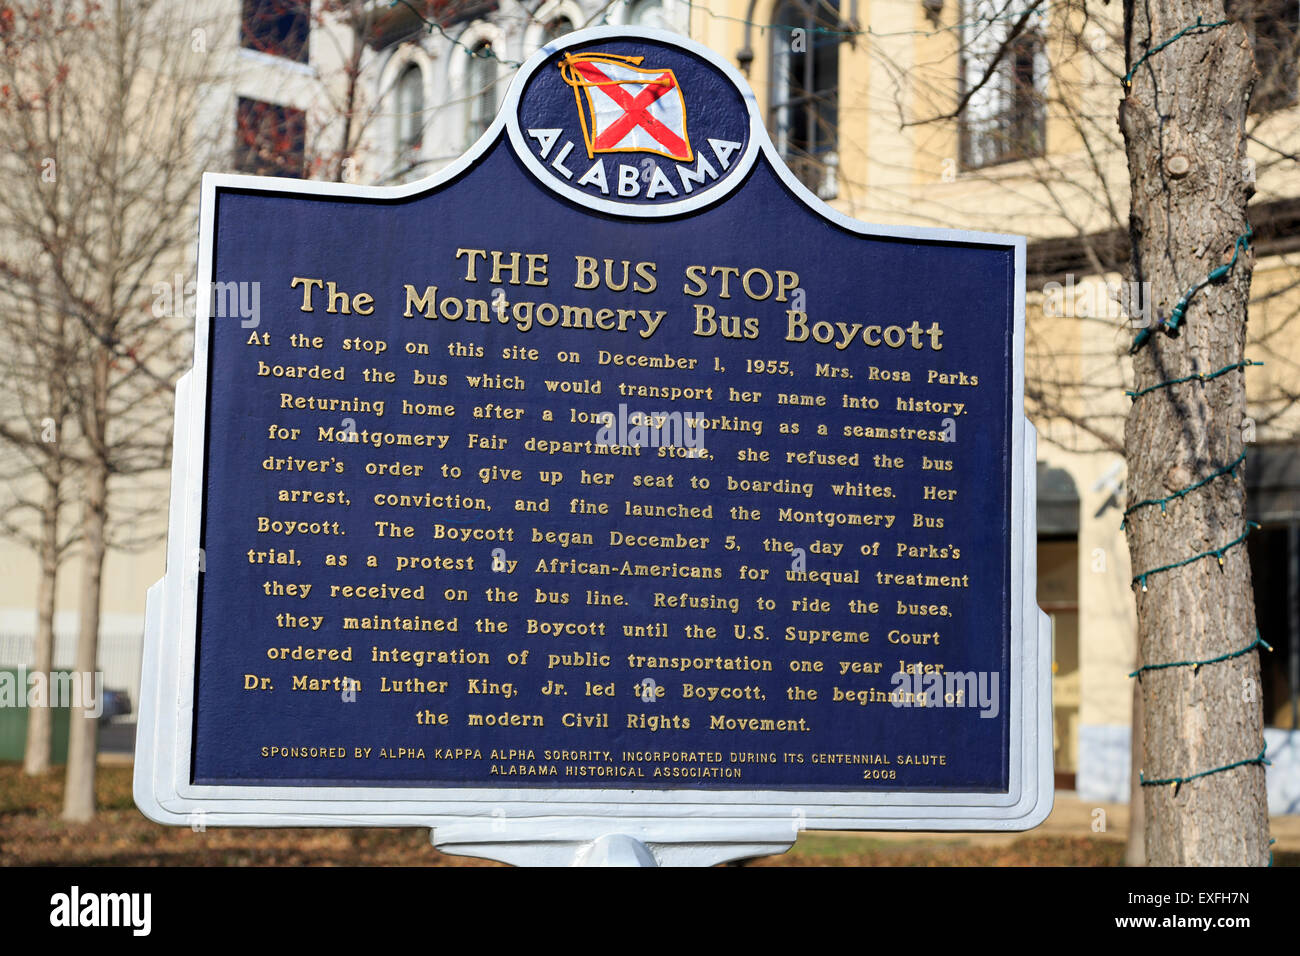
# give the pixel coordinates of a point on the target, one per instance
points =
(648, 13)
(270, 140)
(805, 80)
(1275, 570)
(1273, 27)
(1058, 596)
(410, 114)
(481, 88)
(1004, 117)
(276, 27)
(556, 29)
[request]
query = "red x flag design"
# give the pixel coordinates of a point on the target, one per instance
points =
(627, 109)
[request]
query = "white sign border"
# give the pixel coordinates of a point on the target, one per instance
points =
(551, 825)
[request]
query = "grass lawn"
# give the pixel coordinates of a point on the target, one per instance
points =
(31, 834)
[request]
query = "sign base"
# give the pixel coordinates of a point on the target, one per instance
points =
(549, 845)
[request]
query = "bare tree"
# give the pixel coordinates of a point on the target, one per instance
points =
(348, 113)
(106, 99)
(1172, 219)
(350, 103)
(35, 356)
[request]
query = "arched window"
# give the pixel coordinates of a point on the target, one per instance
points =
(556, 29)
(410, 114)
(647, 13)
(804, 90)
(481, 89)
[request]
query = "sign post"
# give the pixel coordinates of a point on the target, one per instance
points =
(604, 498)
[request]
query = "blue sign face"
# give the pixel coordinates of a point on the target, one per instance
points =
(624, 123)
(504, 489)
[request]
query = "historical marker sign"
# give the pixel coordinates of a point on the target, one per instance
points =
(605, 485)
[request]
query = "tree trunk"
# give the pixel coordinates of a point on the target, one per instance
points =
(36, 758)
(83, 735)
(1135, 851)
(1183, 121)
(357, 16)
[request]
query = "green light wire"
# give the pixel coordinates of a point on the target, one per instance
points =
(1198, 25)
(1218, 472)
(1177, 782)
(1197, 665)
(1216, 275)
(1216, 552)
(1198, 377)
